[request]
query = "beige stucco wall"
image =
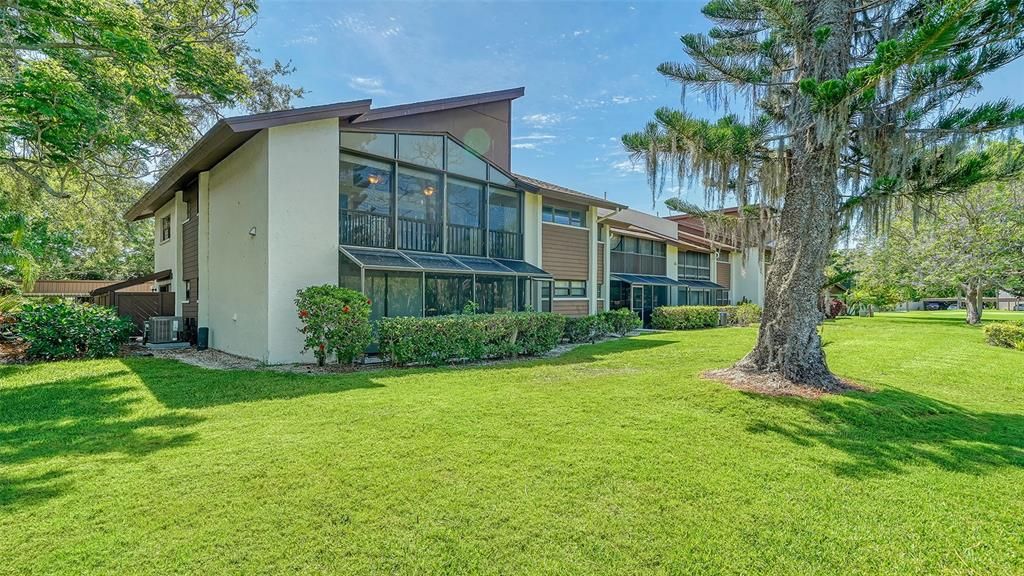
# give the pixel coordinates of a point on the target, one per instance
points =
(532, 229)
(672, 271)
(236, 283)
(747, 278)
(165, 254)
(302, 229)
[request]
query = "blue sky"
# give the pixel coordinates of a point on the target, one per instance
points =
(588, 69)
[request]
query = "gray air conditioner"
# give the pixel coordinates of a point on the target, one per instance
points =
(164, 329)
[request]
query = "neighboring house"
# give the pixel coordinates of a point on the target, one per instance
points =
(731, 274)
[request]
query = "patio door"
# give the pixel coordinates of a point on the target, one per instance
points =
(640, 302)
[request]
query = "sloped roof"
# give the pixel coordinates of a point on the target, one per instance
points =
(228, 134)
(563, 193)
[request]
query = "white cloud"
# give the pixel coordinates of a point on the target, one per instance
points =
(525, 145)
(358, 25)
(578, 33)
(367, 85)
(627, 166)
(536, 136)
(624, 99)
(537, 120)
(302, 39)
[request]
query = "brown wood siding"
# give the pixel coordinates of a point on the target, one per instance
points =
(600, 262)
(570, 307)
(80, 288)
(190, 250)
(564, 252)
(725, 274)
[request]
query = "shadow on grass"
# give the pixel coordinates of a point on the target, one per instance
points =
(890, 430)
(83, 416)
(180, 385)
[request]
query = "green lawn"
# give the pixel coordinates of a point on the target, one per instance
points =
(614, 459)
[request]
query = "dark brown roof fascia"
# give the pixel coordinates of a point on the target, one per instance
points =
(154, 277)
(439, 105)
(225, 137)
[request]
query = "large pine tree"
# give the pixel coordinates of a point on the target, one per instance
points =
(856, 111)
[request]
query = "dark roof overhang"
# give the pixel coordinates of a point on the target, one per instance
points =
(154, 277)
(224, 138)
(562, 193)
(428, 106)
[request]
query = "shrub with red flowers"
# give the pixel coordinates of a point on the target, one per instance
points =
(836, 308)
(335, 322)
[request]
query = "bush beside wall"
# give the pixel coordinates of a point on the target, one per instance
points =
(1005, 334)
(335, 322)
(469, 337)
(684, 317)
(66, 330)
(622, 321)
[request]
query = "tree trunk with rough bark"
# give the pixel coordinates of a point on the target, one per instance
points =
(974, 302)
(788, 343)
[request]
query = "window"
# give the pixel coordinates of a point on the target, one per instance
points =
(377, 144)
(600, 287)
(566, 216)
(462, 161)
(188, 290)
(495, 294)
(724, 256)
(394, 293)
(365, 202)
(637, 256)
(465, 217)
(721, 297)
(423, 150)
(419, 210)
(447, 293)
(188, 210)
(165, 228)
(504, 240)
(695, 266)
(570, 289)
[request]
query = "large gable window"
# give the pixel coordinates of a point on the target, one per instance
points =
(426, 193)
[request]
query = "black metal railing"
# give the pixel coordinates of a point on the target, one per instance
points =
(420, 235)
(505, 244)
(467, 240)
(359, 228)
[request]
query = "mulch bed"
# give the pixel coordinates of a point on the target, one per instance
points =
(776, 385)
(12, 351)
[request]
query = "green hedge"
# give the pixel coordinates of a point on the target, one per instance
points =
(1005, 334)
(586, 328)
(459, 338)
(684, 317)
(622, 321)
(63, 330)
(742, 314)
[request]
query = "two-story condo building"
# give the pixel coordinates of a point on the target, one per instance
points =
(416, 206)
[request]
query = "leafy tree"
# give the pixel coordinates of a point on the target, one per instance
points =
(106, 89)
(856, 113)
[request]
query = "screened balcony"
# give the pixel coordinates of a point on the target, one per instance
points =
(425, 193)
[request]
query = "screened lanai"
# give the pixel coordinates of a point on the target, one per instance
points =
(408, 283)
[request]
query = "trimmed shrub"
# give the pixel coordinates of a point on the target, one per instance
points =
(836, 308)
(335, 322)
(622, 321)
(441, 340)
(684, 317)
(587, 328)
(743, 314)
(1005, 334)
(64, 330)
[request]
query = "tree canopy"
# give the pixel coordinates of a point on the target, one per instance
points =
(856, 111)
(97, 97)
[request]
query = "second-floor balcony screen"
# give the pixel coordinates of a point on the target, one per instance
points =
(637, 256)
(425, 193)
